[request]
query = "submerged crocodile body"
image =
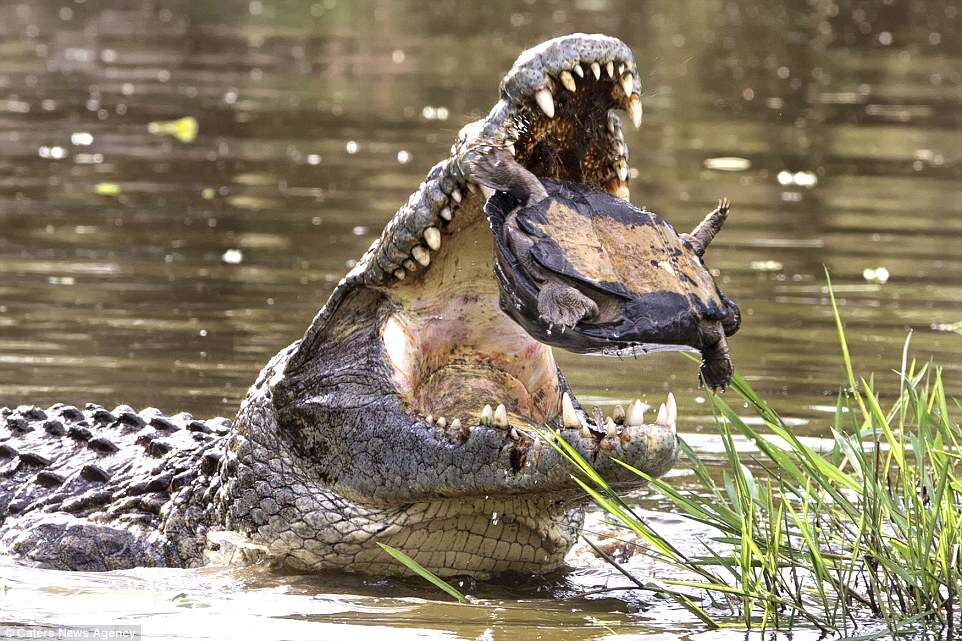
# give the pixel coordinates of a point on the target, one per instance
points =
(379, 424)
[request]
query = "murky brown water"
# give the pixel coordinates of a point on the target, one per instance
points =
(834, 128)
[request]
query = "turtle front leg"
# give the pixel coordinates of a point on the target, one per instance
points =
(716, 369)
(564, 306)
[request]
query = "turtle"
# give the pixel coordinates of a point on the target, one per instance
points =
(583, 270)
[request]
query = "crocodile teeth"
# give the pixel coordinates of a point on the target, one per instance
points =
(636, 414)
(610, 68)
(456, 195)
(429, 419)
(627, 83)
(618, 414)
(421, 255)
(442, 422)
(596, 69)
(662, 415)
(579, 71)
(409, 265)
(456, 424)
(432, 236)
(514, 434)
(546, 101)
(621, 68)
(634, 109)
(568, 81)
(568, 416)
(672, 409)
(585, 432)
(605, 444)
(445, 213)
(622, 168)
(487, 415)
(610, 428)
(501, 416)
(623, 192)
(399, 274)
(472, 187)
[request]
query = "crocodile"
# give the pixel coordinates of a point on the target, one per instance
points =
(405, 415)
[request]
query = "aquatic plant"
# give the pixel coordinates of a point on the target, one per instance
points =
(865, 530)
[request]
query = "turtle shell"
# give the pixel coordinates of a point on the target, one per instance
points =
(610, 249)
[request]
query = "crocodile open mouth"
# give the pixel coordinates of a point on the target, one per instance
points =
(458, 362)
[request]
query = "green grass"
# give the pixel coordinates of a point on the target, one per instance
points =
(864, 531)
(423, 572)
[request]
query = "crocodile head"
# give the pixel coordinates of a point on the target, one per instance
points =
(410, 406)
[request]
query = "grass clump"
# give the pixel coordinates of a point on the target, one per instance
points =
(863, 531)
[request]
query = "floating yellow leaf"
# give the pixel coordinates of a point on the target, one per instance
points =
(107, 189)
(183, 129)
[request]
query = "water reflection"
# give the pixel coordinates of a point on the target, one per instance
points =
(151, 269)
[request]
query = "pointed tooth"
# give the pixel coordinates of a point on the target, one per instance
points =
(623, 192)
(568, 416)
(610, 428)
(429, 419)
(510, 148)
(514, 434)
(596, 69)
(662, 415)
(672, 409)
(568, 81)
(456, 195)
(622, 168)
(501, 416)
(456, 424)
(585, 432)
(432, 236)
(400, 274)
(487, 415)
(634, 109)
(472, 187)
(445, 213)
(421, 255)
(618, 414)
(621, 68)
(628, 83)
(410, 265)
(606, 444)
(579, 71)
(546, 101)
(442, 422)
(610, 68)
(636, 414)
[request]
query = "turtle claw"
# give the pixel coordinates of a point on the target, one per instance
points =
(564, 306)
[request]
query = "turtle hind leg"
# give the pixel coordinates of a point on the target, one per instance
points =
(499, 171)
(716, 369)
(564, 306)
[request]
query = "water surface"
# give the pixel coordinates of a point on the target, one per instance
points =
(834, 128)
